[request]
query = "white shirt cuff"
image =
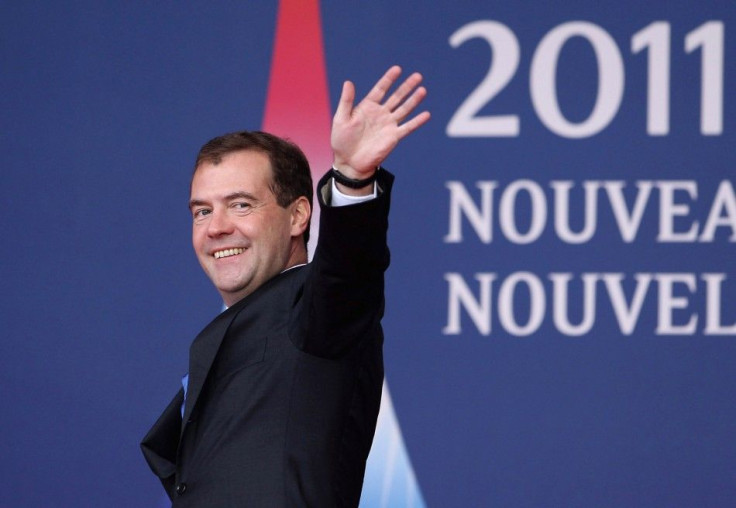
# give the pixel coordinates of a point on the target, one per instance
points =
(340, 199)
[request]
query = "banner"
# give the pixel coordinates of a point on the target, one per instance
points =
(561, 302)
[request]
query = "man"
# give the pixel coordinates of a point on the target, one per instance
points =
(284, 386)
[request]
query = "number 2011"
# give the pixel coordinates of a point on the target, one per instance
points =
(655, 38)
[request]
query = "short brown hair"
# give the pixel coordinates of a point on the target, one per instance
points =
(291, 176)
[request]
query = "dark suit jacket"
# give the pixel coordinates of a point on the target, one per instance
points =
(285, 385)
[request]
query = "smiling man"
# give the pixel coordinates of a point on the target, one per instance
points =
(280, 403)
(240, 229)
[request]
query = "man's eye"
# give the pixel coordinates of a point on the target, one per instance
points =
(241, 205)
(198, 214)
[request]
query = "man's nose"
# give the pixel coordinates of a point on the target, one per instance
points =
(219, 224)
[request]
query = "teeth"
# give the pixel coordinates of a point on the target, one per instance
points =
(228, 252)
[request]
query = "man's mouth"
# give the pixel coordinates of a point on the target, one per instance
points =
(227, 253)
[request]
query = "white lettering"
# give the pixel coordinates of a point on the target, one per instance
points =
(523, 210)
(543, 79)
(480, 219)
(507, 211)
(562, 211)
(668, 303)
(725, 200)
(479, 311)
(713, 324)
(626, 315)
(628, 223)
(522, 314)
(668, 210)
(560, 300)
(537, 302)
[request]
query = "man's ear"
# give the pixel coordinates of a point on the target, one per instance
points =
(300, 213)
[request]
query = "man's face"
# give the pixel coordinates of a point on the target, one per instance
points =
(241, 236)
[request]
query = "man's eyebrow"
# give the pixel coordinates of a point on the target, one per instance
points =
(197, 202)
(229, 197)
(241, 195)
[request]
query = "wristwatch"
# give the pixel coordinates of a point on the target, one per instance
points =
(354, 183)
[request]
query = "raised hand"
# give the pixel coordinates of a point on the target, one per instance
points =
(364, 135)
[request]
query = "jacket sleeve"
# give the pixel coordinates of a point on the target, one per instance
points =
(162, 441)
(343, 296)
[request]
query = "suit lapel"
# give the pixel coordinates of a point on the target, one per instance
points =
(204, 349)
(202, 354)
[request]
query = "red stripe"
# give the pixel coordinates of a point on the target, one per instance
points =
(297, 105)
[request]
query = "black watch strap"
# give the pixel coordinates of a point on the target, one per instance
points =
(354, 183)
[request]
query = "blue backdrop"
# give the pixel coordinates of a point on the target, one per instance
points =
(561, 306)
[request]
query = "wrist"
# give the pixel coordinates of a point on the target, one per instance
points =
(350, 170)
(351, 186)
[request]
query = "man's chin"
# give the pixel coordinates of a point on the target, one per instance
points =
(231, 291)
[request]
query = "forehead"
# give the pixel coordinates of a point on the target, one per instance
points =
(245, 170)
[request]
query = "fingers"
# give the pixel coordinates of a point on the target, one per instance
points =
(403, 91)
(381, 88)
(410, 104)
(404, 99)
(345, 104)
(404, 106)
(396, 108)
(413, 124)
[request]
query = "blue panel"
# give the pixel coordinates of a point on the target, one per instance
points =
(104, 106)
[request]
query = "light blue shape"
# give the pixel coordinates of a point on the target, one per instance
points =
(389, 477)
